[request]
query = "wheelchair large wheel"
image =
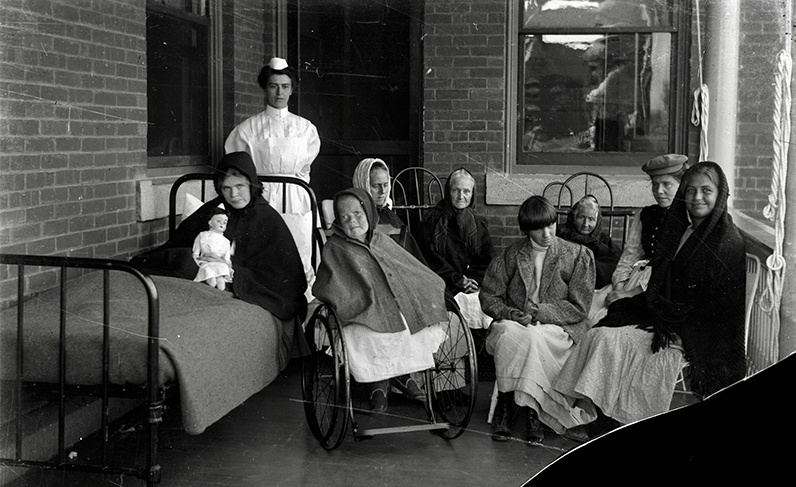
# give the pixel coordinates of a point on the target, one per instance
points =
(455, 376)
(325, 385)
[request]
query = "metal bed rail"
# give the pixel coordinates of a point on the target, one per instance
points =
(204, 195)
(154, 397)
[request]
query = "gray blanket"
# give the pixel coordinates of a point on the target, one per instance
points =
(220, 350)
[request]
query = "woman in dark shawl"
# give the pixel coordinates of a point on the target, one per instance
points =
(458, 247)
(456, 240)
(267, 268)
(584, 226)
(628, 364)
(390, 304)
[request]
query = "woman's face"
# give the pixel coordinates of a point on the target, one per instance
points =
(379, 186)
(353, 218)
(278, 90)
(236, 191)
(700, 196)
(585, 219)
(664, 188)
(461, 192)
(218, 223)
(544, 236)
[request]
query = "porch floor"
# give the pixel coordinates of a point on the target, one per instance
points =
(266, 442)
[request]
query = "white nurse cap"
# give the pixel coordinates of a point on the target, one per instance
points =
(277, 63)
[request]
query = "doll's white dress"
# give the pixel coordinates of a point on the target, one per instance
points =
(212, 243)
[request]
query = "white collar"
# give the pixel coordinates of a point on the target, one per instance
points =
(276, 112)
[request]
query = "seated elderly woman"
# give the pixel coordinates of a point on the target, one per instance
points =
(584, 226)
(538, 290)
(693, 310)
(373, 176)
(457, 245)
(266, 265)
(391, 305)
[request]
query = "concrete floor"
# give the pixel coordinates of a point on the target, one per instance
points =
(266, 442)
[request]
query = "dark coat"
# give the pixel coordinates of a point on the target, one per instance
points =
(402, 236)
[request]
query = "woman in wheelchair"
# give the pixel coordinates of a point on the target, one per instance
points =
(391, 306)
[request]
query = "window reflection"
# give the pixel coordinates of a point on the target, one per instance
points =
(177, 81)
(597, 13)
(603, 93)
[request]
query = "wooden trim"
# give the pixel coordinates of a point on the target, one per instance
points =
(177, 161)
(159, 8)
(215, 86)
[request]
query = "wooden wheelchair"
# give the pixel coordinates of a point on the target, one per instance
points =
(328, 389)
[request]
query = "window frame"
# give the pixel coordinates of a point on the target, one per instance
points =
(212, 22)
(619, 162)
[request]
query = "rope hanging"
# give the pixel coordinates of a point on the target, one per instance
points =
(775, 210)
(700, 109)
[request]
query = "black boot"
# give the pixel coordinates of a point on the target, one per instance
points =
(378, 396)
(500, 419)
(602, 425)
(533, 428)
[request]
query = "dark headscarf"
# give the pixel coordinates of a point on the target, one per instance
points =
(465, 218)
(570, 230)
(242, 163)
(606, 255)
(696, 292)
(367, 204)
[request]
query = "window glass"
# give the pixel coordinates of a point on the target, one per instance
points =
(596, 93)
(596, 13)
(177, 83)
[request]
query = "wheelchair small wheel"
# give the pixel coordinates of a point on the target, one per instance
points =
(455, 376)
(325, 385)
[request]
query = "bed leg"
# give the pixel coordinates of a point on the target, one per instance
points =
(155, 418)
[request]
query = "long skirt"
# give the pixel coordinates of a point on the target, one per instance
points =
(374, 356)
(527, 361)
(615, 370)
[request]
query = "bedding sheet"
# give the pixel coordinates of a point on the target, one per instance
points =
(220, 350)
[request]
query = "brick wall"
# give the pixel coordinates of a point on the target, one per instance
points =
(73, 122)
(464, 83)
(762, 37)
(464, 90)
(73, 129)
(246, 50)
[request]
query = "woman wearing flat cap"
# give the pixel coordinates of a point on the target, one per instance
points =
(280, 142)
(632, 272)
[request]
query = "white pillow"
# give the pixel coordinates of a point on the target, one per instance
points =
(300, 226)
(192, 203)
(327, 207)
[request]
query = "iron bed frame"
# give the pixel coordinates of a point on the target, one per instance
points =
(152, 391)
